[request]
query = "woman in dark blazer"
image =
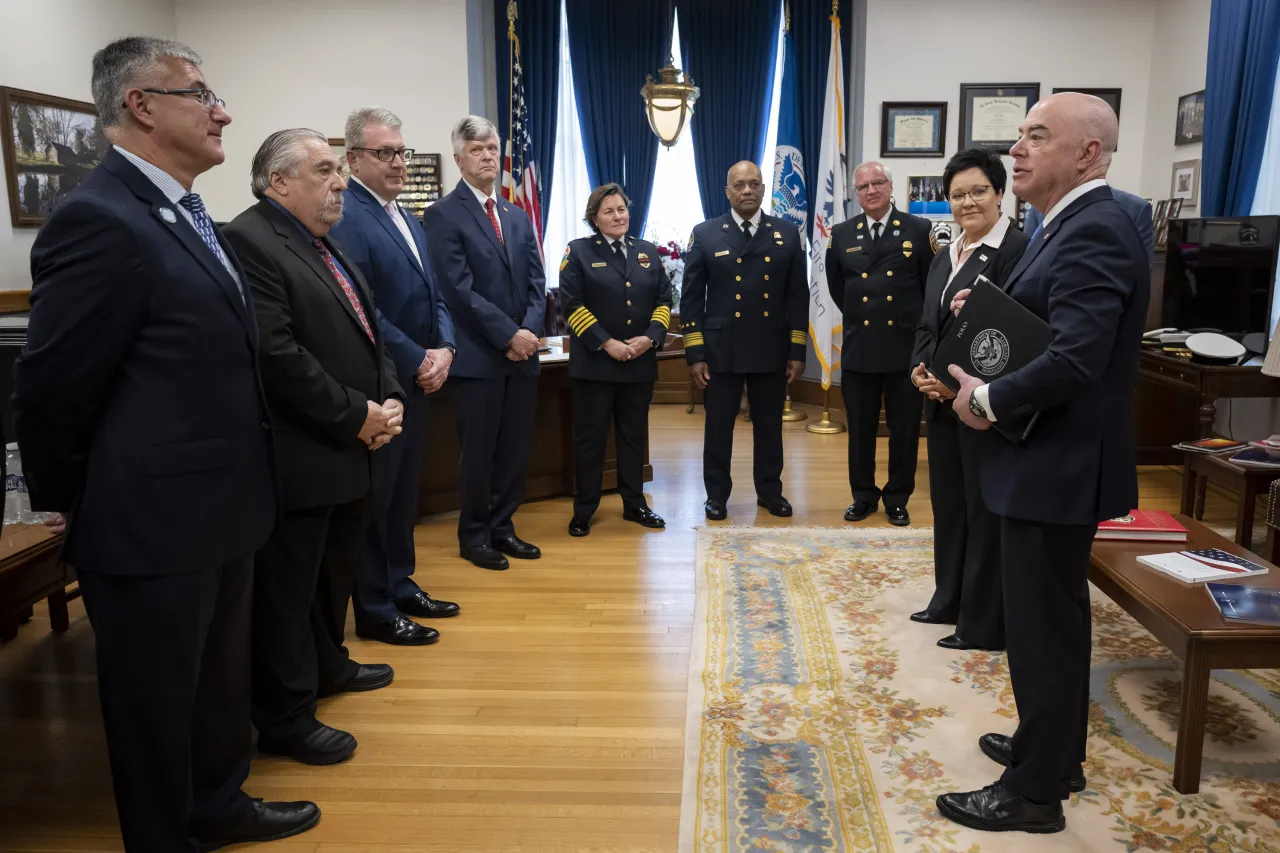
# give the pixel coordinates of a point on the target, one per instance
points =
(966, 548)
(617, 299)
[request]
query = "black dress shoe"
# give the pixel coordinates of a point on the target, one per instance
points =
(715, 510)
(514, 546)
(778, 506)
(898, 516)
(425, 607)
(401, 632)
(999, 748)
(326, 745)
(859, 510)
(956, 644)
(580, 525)
(264, 822)
(644, 517)
(927, 618)
(996, 809)
(485, 557)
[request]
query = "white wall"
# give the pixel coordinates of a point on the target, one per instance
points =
(1177, 69)
(922, 50)
(307, 63)
(61, 65)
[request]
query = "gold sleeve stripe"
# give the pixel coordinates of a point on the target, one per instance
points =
(581, 320)
(799, 337)
(693, 339)
(663, 316)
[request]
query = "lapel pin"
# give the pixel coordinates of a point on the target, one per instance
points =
(859, 228)
(860, 236)
(896, 223)
(168, 215)
(726, 225)
(982, 257)
(896, 232)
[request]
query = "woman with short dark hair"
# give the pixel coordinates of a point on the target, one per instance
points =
(966, 544)
(617, 299)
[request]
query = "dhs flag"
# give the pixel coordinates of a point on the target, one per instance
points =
(825, 322)
(789, 199)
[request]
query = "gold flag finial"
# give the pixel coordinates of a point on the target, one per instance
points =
(511, 19)
(786, 15)
(835, 8)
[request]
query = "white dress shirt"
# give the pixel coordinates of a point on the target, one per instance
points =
(621, 243)
(393, 210)
(484, 199)
(982, 392)
(754, 220)
(992, 240)
(884, 221)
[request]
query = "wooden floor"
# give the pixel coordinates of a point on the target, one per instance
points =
(548, 718)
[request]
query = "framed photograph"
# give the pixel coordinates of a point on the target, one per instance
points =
(1190, 119)
(50, 146)
(421, 183)
(1111, 96)
(991, 112)
(945, 231)
(925, 197)
(1020, 208)
(913, 128)
(1184, 186)
(1160, 222)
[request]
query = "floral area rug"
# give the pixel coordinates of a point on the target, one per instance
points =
(821, 719)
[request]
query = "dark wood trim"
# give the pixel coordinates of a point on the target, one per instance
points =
(14, 301)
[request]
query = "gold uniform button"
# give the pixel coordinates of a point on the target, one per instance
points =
(736, 314)
(866, 322)
(766, 296)
(766, 313)
(739, 260)
(628, 284)
(864, 275)
(864, 299)
(628, 322)
(628, 301)
(737, 278)
(890, 273)
(890, 298)
(766, 278)
(766, 259)
(890, 322)
(737, 296)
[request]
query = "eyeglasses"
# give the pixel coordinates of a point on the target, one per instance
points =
(978, 194)
(386, 155)
(877, 183)
(205, 97)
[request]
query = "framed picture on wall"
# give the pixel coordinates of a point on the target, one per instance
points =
(944, 231)
(1111, 96)
(1190, 119)
(913, 128)
(1184, 185)
(421, 183)
(1020, 209)
(1160, 222)
(50, 146)
(991, 112)
(925, 197)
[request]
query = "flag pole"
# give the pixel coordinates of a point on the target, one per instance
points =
(826, 426)
(791, 415)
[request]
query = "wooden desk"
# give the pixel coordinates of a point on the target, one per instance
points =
(31, 570)
(1247, 481)
(1176, 400)
(1185, 619)
(551, 462)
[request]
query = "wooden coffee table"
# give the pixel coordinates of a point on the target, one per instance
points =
(1247, 481)
(1183, 617)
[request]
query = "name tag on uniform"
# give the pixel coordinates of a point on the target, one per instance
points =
(853, 249)
(600, 264)
(722, 254)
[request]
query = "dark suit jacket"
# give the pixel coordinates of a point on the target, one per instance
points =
(879, 288)
(493, 288)
(412, 313)
(1139, 210)
(935, 320)
(137, 401)
(744, 307)
(607, 296)
(1088, 276)
(318, 366)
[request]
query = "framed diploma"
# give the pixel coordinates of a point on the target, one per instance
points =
(913, 128)
(991, 112)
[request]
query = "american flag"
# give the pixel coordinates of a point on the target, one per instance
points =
(1219, 559)
(519, 171)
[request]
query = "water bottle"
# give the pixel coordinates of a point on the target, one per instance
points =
(17, 505)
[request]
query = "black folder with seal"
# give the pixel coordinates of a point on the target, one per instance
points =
(994, 334)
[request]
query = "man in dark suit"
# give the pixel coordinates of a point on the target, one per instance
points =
(141, 418)
(334, 398)
(1088, 276)
(744, 310)
(489, 266)
(877, 264)
(1138, 209)
(389, 247)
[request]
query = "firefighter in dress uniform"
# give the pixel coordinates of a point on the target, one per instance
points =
(877, 264)
(744, 312)
(617, 299)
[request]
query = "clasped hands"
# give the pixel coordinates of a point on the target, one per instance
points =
(522, 346)
(701, 374)
(628, 349)
(434, 369)
(382, 423)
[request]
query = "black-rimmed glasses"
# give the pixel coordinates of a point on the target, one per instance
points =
(205, 97)
(386, 155)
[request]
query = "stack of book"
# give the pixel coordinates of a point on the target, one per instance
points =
(1211, 445)
(1257, 605)
(1150, 525)
(1206, 564)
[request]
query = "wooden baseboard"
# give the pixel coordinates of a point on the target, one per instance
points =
(14, 301)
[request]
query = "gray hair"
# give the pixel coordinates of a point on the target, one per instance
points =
(883, 168)
(124, 64)
(360, 119)
(281, 152)
(472, 129)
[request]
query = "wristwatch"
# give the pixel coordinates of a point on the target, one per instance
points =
(976, 407)
(451, 348)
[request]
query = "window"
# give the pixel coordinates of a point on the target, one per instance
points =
(570, 184)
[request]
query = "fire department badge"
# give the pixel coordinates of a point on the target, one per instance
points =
(643, 260)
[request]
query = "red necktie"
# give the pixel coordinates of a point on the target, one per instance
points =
(493, 218)
(346, 285)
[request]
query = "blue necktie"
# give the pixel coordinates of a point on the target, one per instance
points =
(204, 227)
(1036, 233)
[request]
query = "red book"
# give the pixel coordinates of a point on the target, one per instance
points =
(1146, 524)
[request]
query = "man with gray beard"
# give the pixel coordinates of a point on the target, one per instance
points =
(334, 400)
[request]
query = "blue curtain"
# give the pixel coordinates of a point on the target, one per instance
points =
(1244, 45)
(729, 48)
(811, 28)
(538, 28)
(613, 45)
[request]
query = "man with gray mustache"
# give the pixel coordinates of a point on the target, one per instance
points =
(334, 400)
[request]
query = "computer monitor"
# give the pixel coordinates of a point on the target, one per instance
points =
(1220, 275)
